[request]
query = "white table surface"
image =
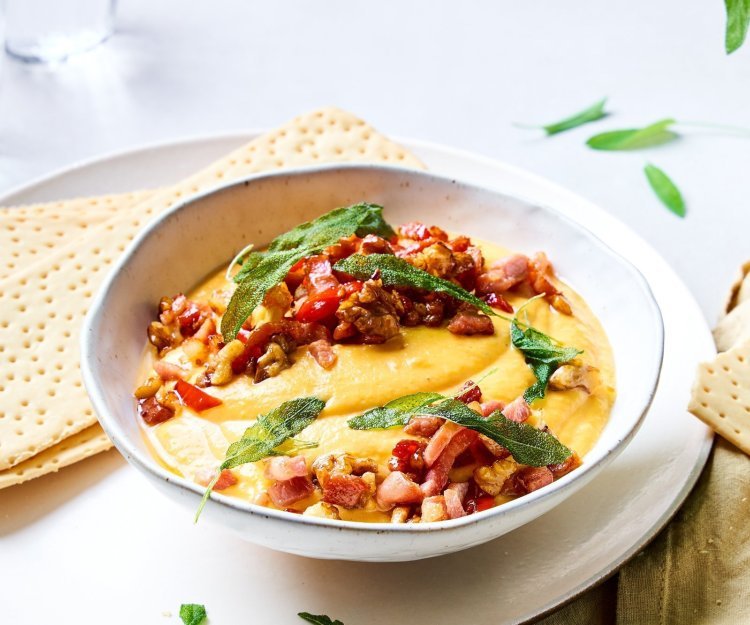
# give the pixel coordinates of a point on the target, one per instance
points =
(425, 69)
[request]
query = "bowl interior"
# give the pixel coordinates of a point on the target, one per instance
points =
(192, 240)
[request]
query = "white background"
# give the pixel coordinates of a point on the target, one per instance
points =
(457, 73)
(449, 72)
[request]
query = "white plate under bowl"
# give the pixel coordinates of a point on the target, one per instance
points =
(192, 239)
(110, 523)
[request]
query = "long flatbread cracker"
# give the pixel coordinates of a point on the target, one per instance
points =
(42, 305)
(81, 445)
(28, 233)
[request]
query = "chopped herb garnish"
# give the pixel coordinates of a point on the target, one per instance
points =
(665, 189)
(270, 435)
(192, 613)
(263, 270)
(318, 619)
(527, 444)
(542, 354)
(394, 271)
(591, 114)
(635, 138)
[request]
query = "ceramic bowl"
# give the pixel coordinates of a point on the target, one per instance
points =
(189, 241)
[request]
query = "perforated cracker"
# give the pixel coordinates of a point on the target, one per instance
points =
(721, 395)
(28, 233)
(42, 400)
(85, 443)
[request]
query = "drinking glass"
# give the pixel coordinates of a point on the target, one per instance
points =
(40, 31)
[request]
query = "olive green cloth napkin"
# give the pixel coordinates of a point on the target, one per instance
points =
(696, 572)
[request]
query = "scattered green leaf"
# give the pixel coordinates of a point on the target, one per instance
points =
(635, 138)
(395, 271)
(591, 114)
(542, 354)
(268, 436)
(738, 20)
(263, 270)
(665, 189)
(318, 619)
(192, 613)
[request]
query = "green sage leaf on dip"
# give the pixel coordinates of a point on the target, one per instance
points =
(738, 20)
(395, 271)
(635, 138)
(542, 355)
(262, 271)
(665, 189)
(396, 412)
(269, 436)
(192, 613)
(318, 619)
(591, 114)
(527, 444)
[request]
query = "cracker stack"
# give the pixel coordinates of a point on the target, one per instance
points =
(54, 256)
(721, 393)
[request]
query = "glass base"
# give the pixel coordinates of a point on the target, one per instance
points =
(54, 48)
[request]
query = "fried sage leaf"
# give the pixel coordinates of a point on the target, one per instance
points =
(665, 189)
(318, 619)
(193, 613)
(635, 138)
(269, 436)
(738, 20)
(396, 412)
(527, 444)
(395, 271)
(263, 270)
(542, 354)
(591, 114)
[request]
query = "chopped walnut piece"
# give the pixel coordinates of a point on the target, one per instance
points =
(273, 361)
(322, 510)
(434, 509)
(149, 388)
(400, 514)
(567, 377)
(372, 311)
(220, 366)
(491, 479)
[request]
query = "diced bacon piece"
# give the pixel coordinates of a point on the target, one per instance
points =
(491, 406)
(423, 426)
(434, 509)
(517, 410)
(347, 491)
(440, 441)
(471, 323)
(169, 371)
(397, 489)
(207, 329)
(322, 351)
(533, 478)
(152, 412)
(319, 275)
(453, 504)
(540, 272)
(226, 479)
(437, 476)
(461, 488)
(282, 468)
(469, 392)
(573, 461)
(373, 244)
(291, 491)
(503, 274)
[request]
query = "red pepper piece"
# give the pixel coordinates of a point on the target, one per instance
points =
(193, 397)
(498, 301)
(485, 502)
(319, 305)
